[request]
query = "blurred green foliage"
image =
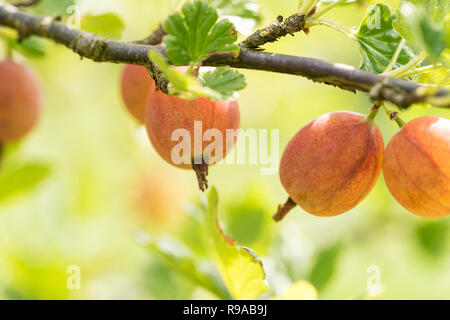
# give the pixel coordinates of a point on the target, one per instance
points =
(80, 187)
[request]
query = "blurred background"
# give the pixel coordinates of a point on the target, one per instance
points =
(81, 187)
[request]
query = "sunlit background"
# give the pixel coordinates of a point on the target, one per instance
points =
(101, 184)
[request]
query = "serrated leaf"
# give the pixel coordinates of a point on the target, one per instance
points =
(324, 266)
(52, 7)
(33, 46)
(378, 40)
(14, 182)
(109, 25)
(195, 34)
(241, 270)
(223, 80)
(182, 85)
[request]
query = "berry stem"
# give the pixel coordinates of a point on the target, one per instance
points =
(284, 209)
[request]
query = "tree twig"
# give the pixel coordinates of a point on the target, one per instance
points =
(400, 92)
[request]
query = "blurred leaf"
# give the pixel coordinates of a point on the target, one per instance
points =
(7, 150)
(433, 237)
(246, 9)
(52, 7)
(33, 46)
(179, 258)
(182, 85)
(23, 179)
(378, 40)
(436, 10)
(109, 25)
(325, 266)
(195, 34)
(223, 80)
(301, 290)
(241, 270)
(245, 14)
(423, 25)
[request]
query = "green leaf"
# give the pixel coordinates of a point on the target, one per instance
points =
(433, 236)
(378, 40)
(14, 182)
(52, 7)
(109, 25)
(182, 85)
(33, 46)
(324, 266)
(246, 9)
(423, 25)
(195, 34)
(241, 270)
(223, 80)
